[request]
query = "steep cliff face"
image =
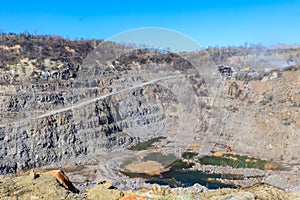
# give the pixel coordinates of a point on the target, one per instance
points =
(70, 105)
(109, 106)
(263, 116)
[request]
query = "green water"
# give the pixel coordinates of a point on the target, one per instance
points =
(165, 160)
(180, 176)
(239, 163)
(189, 155)
(177, 176)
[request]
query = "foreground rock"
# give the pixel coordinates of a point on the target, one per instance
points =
(103, 191)
(54, 184)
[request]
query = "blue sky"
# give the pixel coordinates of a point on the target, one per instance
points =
(210, 23)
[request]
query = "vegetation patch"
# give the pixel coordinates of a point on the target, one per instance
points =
(147, 144)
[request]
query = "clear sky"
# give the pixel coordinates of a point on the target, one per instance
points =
(210, 23)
